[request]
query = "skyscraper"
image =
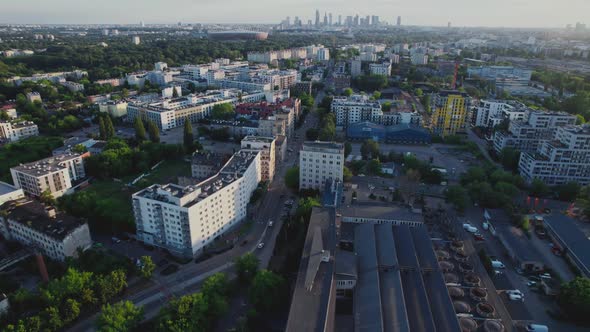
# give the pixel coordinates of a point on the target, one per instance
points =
(356, 20)
(367, 20)
(399, 21)
(375, 20)
(325, 19)
(339, 19)
(317, 18)
(330, 19)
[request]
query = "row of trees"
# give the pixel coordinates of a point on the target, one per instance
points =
(60, 302)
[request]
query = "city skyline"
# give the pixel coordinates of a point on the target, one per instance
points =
(502, 13)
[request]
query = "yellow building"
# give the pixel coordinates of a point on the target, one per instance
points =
(450, 112)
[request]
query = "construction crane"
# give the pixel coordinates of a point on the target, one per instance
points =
(454, 84)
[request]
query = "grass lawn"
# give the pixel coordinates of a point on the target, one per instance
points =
(168, 171)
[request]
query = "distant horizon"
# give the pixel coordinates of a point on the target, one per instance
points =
(533, 14)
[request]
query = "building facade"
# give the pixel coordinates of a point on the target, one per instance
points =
(184, 220)
(266, 146)
(318, 162)
(450, 112)
(13, 131)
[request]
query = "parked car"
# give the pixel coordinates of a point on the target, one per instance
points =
(545, 276)
(116, 240)
(536, 328)
(470, 228)
(260, 245)
(497, 272)
(270, 223)
(531, 283)
(515, 291)
(515, 297)
(478, 237)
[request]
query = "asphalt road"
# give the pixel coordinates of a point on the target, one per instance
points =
(188, 278)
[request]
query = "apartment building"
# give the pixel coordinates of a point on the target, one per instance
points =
(183, 220)
(450, 110)
(9, 192)
(527, 134)
(266, 146)
(168, 113)
(40, 227)
(563, 158)
(318, 162)
(33, 97)
(205, 164)
(490, 113)
(15, 130)
(274, 118)
(419, 59)
(54, 174)
(116, 108)
(383, 68)
(360, 108)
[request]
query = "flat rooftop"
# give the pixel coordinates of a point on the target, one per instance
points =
(261, 139)
(311, 306)
(379, 210)
(45, 166)
(572, 238)
(34, 215)
(6, 188)
(319, 146)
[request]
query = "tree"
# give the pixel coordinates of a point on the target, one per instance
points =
(70, 310)
(376, 95)
(139, 130)
(47, 198)
(188, 135)
(568, 192)
(386, 106)
(347, 92)
(79, 148)
(538, 188)
(146, 266)
(474, 174)
(525, 224)
(457, 196)
(580, 120)
(110, 129)
(419, 92)
(346, 174)
(52, 318)
(509, 158)
(246, 267)
(122, 316)
(574, 299)
(292, 178)
(370, 149)
(374, 167)
(153, 131)
(347, 149)
(102, 129)
(266, 290)
(223, 111)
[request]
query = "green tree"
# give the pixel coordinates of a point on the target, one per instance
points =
(139, 130)
(223, 112)
(574, 299)
(246, 267)
(474, 174)
(370, 149)
(525, 224)
(419, 92)
(188, 135)
(146, 266)
(509, 158)
(568, 192)
(108, 286)
(580, 120)
(292, 178)
(346, 174)
(102, 129)
(538, 188)
(347, 92)
(187, 313)
(47, 198)
(120, 317)
(374, 167)
(347, 149)
(70, 310)
(154, 132)
(457, 196)
(52, 318)
(110, 129)
(376, 95)
(79, 148)
(266, 291)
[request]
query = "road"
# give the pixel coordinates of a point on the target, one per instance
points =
(483, 146)
(188, 278)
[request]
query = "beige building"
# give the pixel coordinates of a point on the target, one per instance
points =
(266, 145)
(318, 162)
(54, 174)
(42, 228)
(13, 131)
(116, 108)
(9, 192)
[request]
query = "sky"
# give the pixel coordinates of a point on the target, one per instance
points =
(493, 13)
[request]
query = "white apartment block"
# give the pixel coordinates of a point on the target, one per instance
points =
(73, 86)
(185, 219)
(526, 135)
(562, 159)
(54, 174)
(266, 146)
(360, 108)
(168, 113)
(356, 68)
(33, 97)
(383, 68)
(490, 113)
(13, 131)
(323, 54)
(116, 108)
(34, 225)
(160, 66)
(419, 59)
(318, 162)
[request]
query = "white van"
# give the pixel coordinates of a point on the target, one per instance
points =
(537, 328)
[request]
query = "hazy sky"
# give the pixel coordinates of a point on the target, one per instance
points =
(510, 13)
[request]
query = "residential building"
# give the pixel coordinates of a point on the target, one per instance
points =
(266, 146)
(54, 174)
(527, 134)
(33, 97)
(135, 40)
(318, 162)
(116, 108)
(563, 158)
(42, 228)
(73, 86)
(168, 113)
(323, 54)
(360, 108)
(450, 111)
(205, 164)
(9, 192)
(394, 134)
(274, 118)
(93, 146)
(15, 130)
(356, 68)
(490, 113)
(184, 220)
(383, 69)
(301, 87)
(419, 59)
(10, 110)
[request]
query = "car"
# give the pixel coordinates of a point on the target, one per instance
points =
(545, 276)
(116, 240)
(536, 328)
(260, 245)
(270, 222)
(546, 210)
(497, 273)
(531, 283)
(556, 251)
(470, 228)
(515, 297)
(498, 264)
(478, 237)
(533, 278)
(515, 291)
